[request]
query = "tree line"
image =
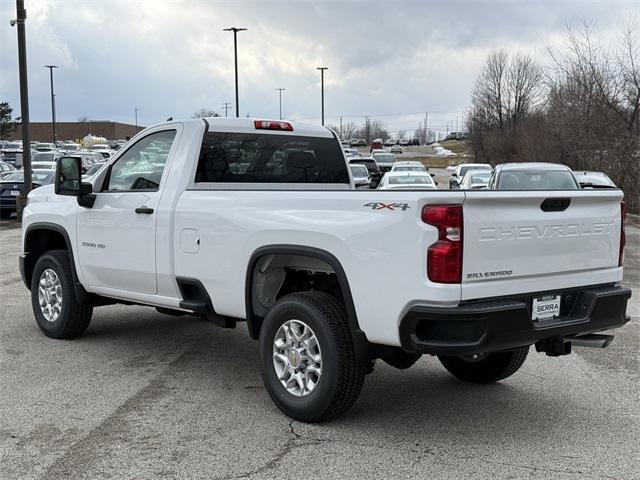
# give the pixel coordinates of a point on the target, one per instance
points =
(582, 109)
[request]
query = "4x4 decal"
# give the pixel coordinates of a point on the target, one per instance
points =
(384, 206)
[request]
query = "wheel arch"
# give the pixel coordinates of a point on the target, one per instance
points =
(42, 237)
(254, 321)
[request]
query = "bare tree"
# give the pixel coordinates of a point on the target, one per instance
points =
(205, 112)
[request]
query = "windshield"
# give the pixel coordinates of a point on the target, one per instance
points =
(537, 180)
(70, 148)
(410, 180)
(37, 176)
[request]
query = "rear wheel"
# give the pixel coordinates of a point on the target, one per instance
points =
(57, 311)
(485, 367)
(308, 362)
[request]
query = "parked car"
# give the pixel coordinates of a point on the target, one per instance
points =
(326, 278)
(43, 165)
(70, 147)
(87, 159)
(407, 180)
(46, 156)
(384, 159)
(360, 174)
(533, 176)
(345, 143)
(475, 180)
(103, 149)
(376, 144)
(404, 142)
(594, 180)
(408, 166)
(12, 184)
(461, 170)
(351, 152)
(372, 166)
(93, 169)
(389, 142)
(12, 153)
(396, 149)
(45, 147)
(6, 169)
(353, 142)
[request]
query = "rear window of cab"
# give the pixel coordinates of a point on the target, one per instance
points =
(262, 158)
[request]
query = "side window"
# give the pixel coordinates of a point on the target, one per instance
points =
(261, 158)
(141, 166)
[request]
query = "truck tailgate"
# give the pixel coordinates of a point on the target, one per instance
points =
(533, 241)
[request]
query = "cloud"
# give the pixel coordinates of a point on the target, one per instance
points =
(393, 59)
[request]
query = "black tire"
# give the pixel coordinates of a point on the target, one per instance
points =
(342, 373)
(74, 317)
(491, 368)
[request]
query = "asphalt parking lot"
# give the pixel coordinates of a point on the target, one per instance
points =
(145, 395)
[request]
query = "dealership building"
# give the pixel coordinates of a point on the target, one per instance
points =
(41, 131)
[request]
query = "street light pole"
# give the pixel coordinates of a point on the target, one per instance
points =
(322, 69)
(20, 20)
(235, 31)
(53, 103)
(280, 90)
(136, 110)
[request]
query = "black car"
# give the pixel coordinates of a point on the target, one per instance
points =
(11, 186)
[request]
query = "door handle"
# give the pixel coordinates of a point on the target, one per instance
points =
(145, 210)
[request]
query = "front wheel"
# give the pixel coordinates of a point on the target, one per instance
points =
(58, 313)
(485, 367)
(308, 362)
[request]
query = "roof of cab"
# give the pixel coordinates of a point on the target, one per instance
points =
(247, 125)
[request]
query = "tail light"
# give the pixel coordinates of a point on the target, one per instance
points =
(273, 125)
(444, 258)
(623, 236)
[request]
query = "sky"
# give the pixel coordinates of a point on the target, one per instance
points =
(391, 60)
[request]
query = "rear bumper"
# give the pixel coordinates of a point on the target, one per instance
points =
(502, 324)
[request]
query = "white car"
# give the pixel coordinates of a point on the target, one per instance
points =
(43, 165)
(533, 176)
(460, 171)
(45, 156)
(70, 147)
(103, 149)
(475, 179)
(351, 152)
(407, 180)
(45, 147)
(408, 166)
(360, 174)
(256, 223)
(396, 149)
(389, 142)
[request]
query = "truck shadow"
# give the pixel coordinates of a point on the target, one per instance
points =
(424, 400)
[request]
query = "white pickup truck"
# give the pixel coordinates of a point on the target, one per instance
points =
(258, 221)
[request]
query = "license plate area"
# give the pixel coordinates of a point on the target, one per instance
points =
(15, 193)
(545, 307)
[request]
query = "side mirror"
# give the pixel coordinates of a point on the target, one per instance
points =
(454, 174)
(68, 176)
(432, 175)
